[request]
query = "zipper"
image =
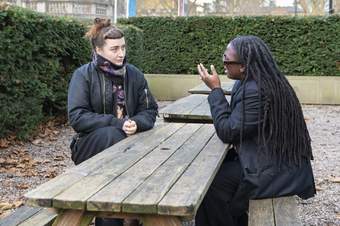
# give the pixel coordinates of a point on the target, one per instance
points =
(125, 96)
(103, 91)
(146, 98)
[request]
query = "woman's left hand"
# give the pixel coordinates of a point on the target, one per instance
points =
(213, 80)
(129, 127)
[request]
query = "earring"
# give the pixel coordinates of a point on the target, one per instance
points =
(241, 70)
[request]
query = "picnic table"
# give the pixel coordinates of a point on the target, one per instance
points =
(159, 176)
(203, 89)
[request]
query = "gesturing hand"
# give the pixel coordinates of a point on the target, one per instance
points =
(212, 81)
(129, 127)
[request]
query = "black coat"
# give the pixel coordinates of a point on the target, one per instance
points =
(262, 176)
(90, 100)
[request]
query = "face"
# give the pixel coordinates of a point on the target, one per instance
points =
(113, 50)
(232, 67)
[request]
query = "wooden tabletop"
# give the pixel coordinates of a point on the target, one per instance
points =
(203, 89)
(193, 108)
(164, 171)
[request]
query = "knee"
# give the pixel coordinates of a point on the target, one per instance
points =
(109, 134)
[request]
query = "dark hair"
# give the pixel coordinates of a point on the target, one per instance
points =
(283, 132)
(101, 30)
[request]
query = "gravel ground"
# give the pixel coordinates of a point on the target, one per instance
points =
(25, 166)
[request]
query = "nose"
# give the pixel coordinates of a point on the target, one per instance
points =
(121, 53)
(225, 69)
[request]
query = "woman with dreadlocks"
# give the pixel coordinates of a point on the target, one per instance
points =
(264, 122)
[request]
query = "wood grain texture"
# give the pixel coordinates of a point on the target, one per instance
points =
(285, 210)
(261, 213)
(184, 199)
(73, 218)
(161, 221)
(20, 215)
(75, 196)
(147, 196)
(203, 89)
(44, 194)
(197, 110)
(44, 217)
(111, 196)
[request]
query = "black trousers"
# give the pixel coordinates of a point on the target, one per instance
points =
(91, 144)
(218, 206)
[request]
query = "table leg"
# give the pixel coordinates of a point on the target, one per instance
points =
(161, 221)
(73, 218)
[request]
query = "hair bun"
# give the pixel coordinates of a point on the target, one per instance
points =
(102, 22)
(98, 24)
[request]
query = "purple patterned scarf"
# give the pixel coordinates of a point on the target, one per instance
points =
(117, 73)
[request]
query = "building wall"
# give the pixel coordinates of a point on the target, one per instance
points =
(157, 7)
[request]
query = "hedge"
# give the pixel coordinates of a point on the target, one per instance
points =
(38, 54)
(301, 45)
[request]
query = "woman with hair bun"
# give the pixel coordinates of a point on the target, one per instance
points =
(108, 99)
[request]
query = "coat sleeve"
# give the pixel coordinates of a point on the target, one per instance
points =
(81, 116)
(147, 108)
(228, 122)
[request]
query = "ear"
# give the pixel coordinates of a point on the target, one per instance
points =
(98, 50)
(242, 69)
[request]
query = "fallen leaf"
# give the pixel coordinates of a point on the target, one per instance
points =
(18, 203)
(4, 213)
(2, 160)
(337, 216)
(59, 158)
(318, 188)
(21, 165)
(4, 143)
(37, 141)
(335, 179)
(51, 174)
(22, 186)
(6, 206)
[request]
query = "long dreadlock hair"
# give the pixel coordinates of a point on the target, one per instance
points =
(283, 132)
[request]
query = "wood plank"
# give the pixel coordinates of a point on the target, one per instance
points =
(203, 89)
(43, 194)
(261, 213)
(184, 199)
(198, 114)
(161, 221)
(110, 197)
(183, 105)
(45, 216)
(147, 196)
(75, 196)
(19, 215)
(201, 112)
(70, 218)
(285, 210)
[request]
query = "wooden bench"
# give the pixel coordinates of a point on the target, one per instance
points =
(273, 212)
(30, 216)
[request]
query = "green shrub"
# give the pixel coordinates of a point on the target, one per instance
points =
(301, 45)
(38, 54)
